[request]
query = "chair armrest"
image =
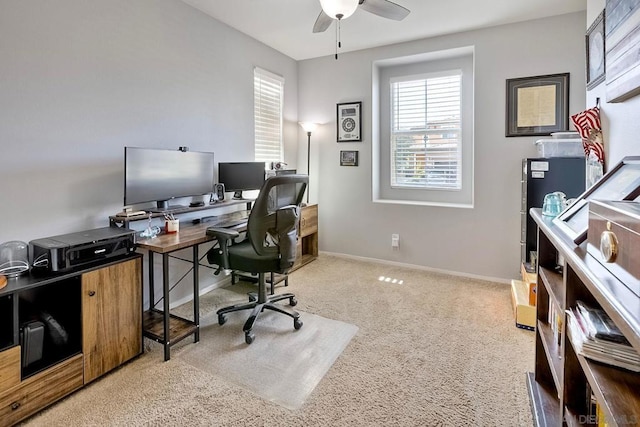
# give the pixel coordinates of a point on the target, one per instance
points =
(222, 233)
(220, 255)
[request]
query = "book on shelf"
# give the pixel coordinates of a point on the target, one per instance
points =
(600, 324)
(586, 343)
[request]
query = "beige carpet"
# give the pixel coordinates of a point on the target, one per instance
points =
(435, 350)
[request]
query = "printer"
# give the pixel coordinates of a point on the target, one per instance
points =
(68, 251)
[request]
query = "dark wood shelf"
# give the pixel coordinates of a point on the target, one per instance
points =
(552, 351)
(553, 282)
(545, 406)
(616, 390)
(179, 328)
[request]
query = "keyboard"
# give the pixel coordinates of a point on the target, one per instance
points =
(227, 220)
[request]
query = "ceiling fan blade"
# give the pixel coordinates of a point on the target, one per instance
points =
(322, 23)
(385, 8)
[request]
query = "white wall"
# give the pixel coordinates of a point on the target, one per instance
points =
(483, 241)
(620, 121)
(79, 80)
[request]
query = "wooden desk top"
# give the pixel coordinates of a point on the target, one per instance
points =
(189, 235)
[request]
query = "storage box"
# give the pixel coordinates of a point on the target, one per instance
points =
(617, 222)
(524, 313)
(31, 342)
(560, 147)
(531, 281)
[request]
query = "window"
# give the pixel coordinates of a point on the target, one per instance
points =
(422, 129)
(268, 89)
(426, 131)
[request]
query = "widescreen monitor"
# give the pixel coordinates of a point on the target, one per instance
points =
(159, 175)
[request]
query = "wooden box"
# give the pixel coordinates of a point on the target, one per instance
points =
(531, 280)
(614, 239)
(525, 314)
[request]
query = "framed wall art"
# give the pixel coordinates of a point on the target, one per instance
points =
(623, 44)
(595, 43)
(349, 122)
(537, 105)
(620, 183)
(348, 158)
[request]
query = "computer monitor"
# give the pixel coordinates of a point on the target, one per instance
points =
(159, 175)
(241, 176)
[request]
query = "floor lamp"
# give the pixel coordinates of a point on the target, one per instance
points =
(308, 127)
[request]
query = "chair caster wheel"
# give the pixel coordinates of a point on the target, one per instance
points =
(222, 319)
(293, 301)
(249, 337)
(297, 324)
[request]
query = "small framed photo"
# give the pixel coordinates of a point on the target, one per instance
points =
(595, 44)
(349, 122)
(620, 183)
(538, 105)
(348, 158)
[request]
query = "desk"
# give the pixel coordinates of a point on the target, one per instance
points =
(161, 326)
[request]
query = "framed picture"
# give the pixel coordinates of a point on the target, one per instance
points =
(348, 158)
(595, 43)
(620, 183)
(623, 44)
(537, 105)
(349, 122)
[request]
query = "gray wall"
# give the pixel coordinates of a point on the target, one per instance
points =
(79, 80)
(483, 241)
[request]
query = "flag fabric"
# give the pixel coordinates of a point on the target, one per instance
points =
(588, 125)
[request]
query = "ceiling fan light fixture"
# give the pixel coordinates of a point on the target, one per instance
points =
(339, 9)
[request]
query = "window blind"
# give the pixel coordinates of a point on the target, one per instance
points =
(268, 90)
(426, 123)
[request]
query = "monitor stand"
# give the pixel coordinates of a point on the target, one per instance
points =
(163, 206)
(237, 195)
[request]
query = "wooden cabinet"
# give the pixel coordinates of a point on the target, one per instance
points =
(111, 317)
(100, 310)
(307, 247)
(566, 384)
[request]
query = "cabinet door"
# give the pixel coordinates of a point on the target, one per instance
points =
(111, 317)
(309, 220)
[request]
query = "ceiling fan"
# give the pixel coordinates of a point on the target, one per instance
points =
(341, 9)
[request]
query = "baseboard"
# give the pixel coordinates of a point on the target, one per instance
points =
(420, 267)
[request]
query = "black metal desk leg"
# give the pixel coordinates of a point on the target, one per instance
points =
(196, 294)
(165, 300)
(152, 303)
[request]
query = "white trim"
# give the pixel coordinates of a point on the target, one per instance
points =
(420, 267)
(423, 203)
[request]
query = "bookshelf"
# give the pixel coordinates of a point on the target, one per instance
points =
(566, 386)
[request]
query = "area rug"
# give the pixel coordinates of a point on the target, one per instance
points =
(282, 365)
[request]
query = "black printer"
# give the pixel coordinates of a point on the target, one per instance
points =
(68, 251)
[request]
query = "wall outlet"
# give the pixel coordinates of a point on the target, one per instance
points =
(395, 240)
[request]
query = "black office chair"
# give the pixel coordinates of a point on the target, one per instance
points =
(269, 246)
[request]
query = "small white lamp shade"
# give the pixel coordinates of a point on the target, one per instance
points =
(308, 126)
(339, 9)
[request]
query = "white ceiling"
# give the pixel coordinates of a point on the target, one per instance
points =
(286, 25)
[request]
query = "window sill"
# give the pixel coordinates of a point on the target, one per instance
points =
(423, 203)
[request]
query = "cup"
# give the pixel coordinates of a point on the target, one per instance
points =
(172, 226)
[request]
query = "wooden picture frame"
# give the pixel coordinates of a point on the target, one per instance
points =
(348, 158)
(349, 122)
(623, 44)
(595, 48)
(622, 182)
(538, 105)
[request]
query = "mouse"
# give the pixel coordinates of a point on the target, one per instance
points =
(196, 221)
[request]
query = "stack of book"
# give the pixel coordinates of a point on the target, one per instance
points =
(596, 337)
